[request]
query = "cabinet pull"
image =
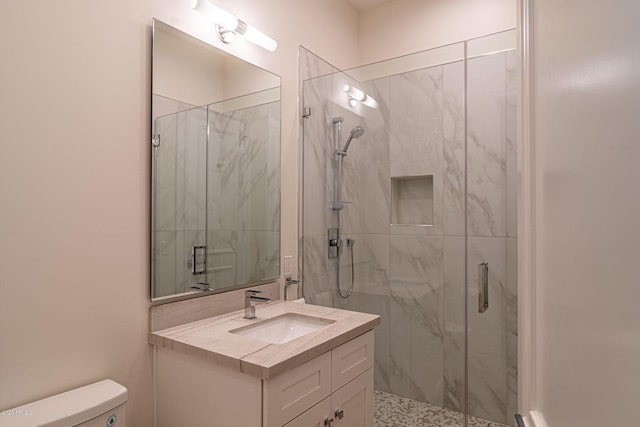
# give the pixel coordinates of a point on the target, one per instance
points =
(339, 414)
(328, 421)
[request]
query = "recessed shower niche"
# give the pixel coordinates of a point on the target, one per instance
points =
(412, 200)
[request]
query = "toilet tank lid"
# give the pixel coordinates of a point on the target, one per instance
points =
(67, 409)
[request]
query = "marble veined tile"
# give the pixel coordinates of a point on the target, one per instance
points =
(259, 255)
(488, 331)
(415, 122)
(486, 146)
(511, 134)
(318, 157)
(318, 271)
(512, 326)
(222, 189)
(453, 313)
(453, 149)
(415, 272)
(165, 174)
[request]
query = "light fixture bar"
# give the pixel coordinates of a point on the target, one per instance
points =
(227, 22)
(256, 36)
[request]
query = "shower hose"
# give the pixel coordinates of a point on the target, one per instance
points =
(350, 244)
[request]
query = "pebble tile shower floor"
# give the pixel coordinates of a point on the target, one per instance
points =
(395, 411)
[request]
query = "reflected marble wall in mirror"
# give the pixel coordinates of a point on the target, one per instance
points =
(215, 169)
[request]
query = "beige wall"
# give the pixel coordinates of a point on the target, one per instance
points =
(400, 27)
(74, 179)
(185, 71)
(75, 166)
(587, 236)
(197, 74)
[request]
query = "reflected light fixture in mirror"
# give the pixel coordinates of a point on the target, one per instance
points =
(356, 96)
(229, 26)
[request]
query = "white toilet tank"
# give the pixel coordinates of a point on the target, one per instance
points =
(101, 404)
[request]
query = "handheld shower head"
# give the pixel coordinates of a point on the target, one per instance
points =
(356, 133)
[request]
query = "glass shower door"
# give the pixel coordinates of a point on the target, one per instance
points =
(429, 195)
(180, 173)
(491, 228)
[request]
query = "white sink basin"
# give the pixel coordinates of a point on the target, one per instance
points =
(283, 328)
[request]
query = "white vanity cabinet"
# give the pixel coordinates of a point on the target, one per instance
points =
(349, 406)
(334, 389)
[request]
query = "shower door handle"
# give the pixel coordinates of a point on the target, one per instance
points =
(483, 287)
(195, 251)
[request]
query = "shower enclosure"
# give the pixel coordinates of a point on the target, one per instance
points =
(428, 192)
(216, 219)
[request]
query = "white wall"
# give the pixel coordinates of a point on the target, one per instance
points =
(587, 128)
(74, 178)
(400, 27)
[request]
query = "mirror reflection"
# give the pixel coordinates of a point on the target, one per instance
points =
(215, 168)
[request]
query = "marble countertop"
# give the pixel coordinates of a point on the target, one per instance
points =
(210, 338)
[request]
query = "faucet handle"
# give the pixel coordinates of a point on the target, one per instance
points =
(288, 281)
(251, 292)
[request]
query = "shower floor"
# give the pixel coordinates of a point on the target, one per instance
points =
(395, 411)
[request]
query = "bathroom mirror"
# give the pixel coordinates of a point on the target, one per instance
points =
(215, 169)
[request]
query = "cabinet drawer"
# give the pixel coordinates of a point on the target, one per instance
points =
(351, 359)
(290, 394)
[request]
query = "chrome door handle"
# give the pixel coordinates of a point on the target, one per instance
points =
(339, 414)
(483, 287)
(195, 251)
(328, 421)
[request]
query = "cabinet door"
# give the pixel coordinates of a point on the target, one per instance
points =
(351, 359)
(317, 416)
(353, 403)
(290, 394)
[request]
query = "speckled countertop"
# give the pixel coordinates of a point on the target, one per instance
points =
(210, 338)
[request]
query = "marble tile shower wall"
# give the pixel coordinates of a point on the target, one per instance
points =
(222, 186)
(413, 276)
(243, 219)
(180, 197)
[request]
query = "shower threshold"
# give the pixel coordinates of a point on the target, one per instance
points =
(395, 411)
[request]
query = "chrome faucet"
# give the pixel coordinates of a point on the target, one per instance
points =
(251, 296)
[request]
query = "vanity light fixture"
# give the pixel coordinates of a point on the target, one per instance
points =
(229, 26)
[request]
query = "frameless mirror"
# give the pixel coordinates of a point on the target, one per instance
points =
(215, 169)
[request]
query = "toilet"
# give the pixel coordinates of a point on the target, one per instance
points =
(101, 404)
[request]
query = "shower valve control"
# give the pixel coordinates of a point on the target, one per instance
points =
(335, 243)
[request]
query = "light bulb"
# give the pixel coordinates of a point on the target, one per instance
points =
(357, 94)
(256, 36)
(219, 16)
(370, 102)
(228, 21)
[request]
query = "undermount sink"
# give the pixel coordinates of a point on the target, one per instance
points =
(283, 328)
